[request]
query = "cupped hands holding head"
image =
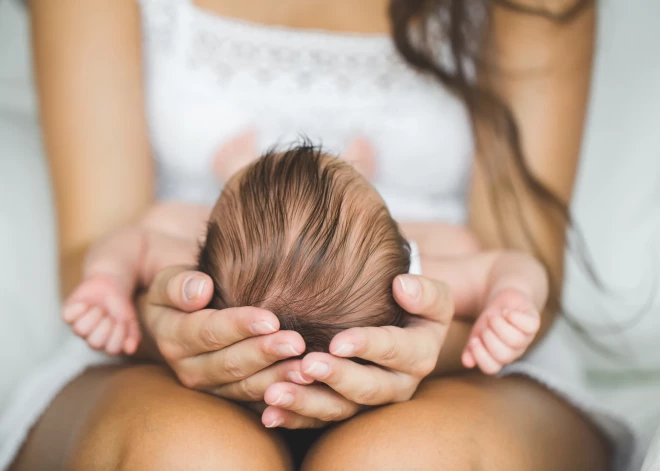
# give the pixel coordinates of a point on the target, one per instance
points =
(241, 354)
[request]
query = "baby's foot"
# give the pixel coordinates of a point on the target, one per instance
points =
(100, 312)
(503, 332)
(234, 154)
(361, 155)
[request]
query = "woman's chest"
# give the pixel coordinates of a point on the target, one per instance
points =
(221, 78)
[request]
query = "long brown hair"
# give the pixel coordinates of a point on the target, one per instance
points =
(419, 27)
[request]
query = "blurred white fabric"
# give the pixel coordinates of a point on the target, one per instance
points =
(617, 205)
(652, 461)
(30, 328)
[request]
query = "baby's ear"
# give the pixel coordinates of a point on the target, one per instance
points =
(235, 153)
(360, 153)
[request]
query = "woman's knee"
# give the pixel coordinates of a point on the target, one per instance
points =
(399, 436)
(145, 420)
(464, 424)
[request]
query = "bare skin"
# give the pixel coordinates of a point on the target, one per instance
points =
(139, 417)
(451, 423)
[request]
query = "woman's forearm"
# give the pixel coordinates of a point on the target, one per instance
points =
(88, 72)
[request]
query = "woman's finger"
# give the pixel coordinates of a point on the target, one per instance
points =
(425, 297)
(315, 401)
(412, 350)
(180, 288)
(254, 387)
(362, 384)
(275, 417)
(211, 330)
(237, 362)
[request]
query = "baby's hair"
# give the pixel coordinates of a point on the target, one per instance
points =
(302, 234)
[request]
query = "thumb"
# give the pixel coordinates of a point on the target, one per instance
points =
(180, 288)
(425, 297)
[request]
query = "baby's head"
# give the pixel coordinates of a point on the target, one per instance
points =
(303, 235)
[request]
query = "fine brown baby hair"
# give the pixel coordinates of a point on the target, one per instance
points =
(301, 234)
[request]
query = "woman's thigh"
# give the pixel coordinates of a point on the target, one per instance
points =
(466, 423)
(139, 417)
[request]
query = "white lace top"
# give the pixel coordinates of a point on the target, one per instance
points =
(210, 78)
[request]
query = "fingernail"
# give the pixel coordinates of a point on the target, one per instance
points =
(275, 423)
(318, 370)
(410, 286)
(296, 377)
(345, 350)
(286, 350)
(262, 328)
(69, 313)
(285, 399)
(192, 287)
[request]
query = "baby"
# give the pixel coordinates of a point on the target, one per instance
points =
(304, 235)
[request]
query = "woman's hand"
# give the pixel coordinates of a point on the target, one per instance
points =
(404, 357)
(211, 350)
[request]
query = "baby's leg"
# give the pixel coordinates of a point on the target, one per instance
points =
(101, 308)
(503, 332)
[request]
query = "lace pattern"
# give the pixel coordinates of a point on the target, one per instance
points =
(159, 25)
(231, 49)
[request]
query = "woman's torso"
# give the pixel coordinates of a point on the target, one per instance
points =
(210, 78)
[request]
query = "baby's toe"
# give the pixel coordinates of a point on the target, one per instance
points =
(99, 336)
(483, 358)
(71, 312)
(116, 339)
(105, 291)
(467, 358)
(130, 346)
(508, 333)
(87, 322)
(528, 321)
(499, 350)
